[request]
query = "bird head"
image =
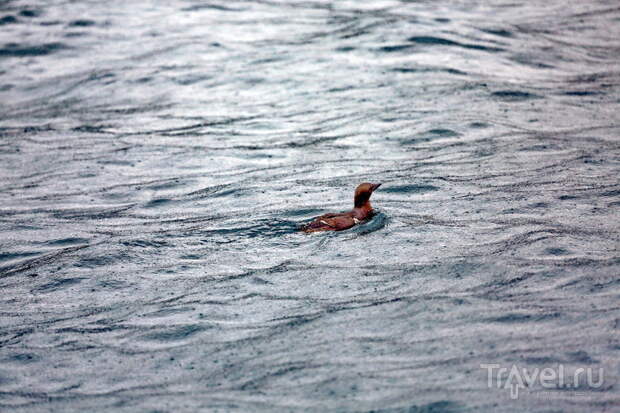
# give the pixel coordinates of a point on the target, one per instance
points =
(363, 192)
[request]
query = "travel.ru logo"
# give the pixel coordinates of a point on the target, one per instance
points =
(515, 378)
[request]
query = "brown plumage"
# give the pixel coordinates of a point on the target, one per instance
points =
(345, 220)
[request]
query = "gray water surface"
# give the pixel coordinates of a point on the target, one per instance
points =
(156, 159)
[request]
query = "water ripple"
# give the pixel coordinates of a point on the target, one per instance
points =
(157, 160)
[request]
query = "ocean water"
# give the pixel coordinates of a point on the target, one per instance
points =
(156, 159)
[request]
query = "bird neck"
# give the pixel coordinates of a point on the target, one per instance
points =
(361, 199)
(363, 211)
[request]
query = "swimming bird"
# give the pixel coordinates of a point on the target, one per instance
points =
(362, 210)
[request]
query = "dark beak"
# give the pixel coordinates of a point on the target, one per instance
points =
(375, 186)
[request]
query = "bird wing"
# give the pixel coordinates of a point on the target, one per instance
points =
(330, 215)
(338, 222)
(330, 222)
